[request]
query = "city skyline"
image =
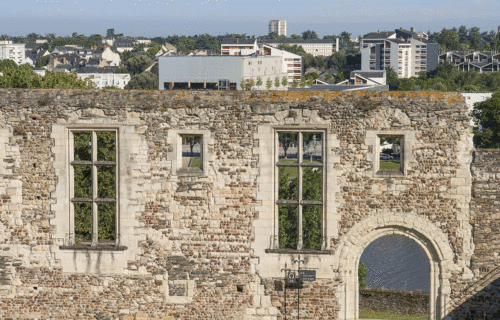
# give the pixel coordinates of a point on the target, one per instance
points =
(188, 17)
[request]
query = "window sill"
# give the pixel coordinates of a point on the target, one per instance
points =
(302, 251)
(190, 172)
(390, 173)
(96, 248)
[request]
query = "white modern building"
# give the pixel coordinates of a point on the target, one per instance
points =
(219, 72)
(405, 51)
(474, 97)
(102, 80)
(238, 47)
(278, 26)
(318, 47)
(14, 52)
(291, 63)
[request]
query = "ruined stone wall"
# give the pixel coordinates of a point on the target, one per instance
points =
(200, 246)
(396, 301)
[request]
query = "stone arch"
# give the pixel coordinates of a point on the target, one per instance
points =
(430, 238)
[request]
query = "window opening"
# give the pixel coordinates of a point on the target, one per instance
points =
(94, 177)
(300, 176)
(192, 152)
(390, 154)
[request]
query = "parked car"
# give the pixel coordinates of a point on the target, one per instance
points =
(385, 157)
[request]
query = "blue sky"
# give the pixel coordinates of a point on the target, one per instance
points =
(190, 17)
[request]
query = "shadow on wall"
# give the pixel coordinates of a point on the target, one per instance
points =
(483, 303)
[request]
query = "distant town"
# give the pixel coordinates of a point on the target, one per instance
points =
(399, 59)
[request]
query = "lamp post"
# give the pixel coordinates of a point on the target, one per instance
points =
(298, 261)
(287, 271)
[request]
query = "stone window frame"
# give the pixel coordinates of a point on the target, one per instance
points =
(101, 259)
(175, 139)
(407, 156)
(94, 163)
(329, 215)
(300, 202)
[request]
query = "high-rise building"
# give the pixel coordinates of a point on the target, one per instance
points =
(14, 52)
(406, 52)
(278, 26)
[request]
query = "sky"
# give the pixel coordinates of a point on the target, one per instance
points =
(152, 18)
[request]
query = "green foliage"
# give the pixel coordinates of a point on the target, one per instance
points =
(138, 64)
(362, 274)
(42, 61)
(309, 35)
(284, 81)
(259, 81)
(293, 49)
(446, 77)
(24, 77)
(144, 81)
(370, 314)
(311, 76)
(277, 82)
(339, 77)
(106, 187)
(251, 83)
(330, 78)
(122, 70)
(243, 84)
(4, 64)
(486, 115)
(269, 83)
(191, 140)
(392, 78)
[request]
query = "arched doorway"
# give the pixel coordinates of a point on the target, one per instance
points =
(423, 232)
(395, 262)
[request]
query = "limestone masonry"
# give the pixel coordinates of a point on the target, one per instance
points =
(202, 243)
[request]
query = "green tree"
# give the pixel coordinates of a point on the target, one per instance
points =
(277, 82)
(269, 83)
(243, 84)
(24, 77)
(295, 36)
(362, 275)
(339, 77)
(475, 38)
(144, 81)
(251, 83)
(293, 49)
(486, 115)
(284, 81)
(329, 78)
(449, 40)
(259, 81)
(42, 61)
(344, 39)
(309, 35)
(392, 78)
(138, 64)
(4, 64)
(295, 84)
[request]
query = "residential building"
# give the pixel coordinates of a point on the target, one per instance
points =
(472, 98)
(166, 50)
(278, 26)
(482, 62)
(406, 51)
(14, 52)
(218, 72)
(291, 63)
(104, 77)
(238, 47)
(106, 54)
(319, 47)
(366, 78)
(32, 55)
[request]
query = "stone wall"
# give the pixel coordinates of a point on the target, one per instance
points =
(204, 245)
(396, 301)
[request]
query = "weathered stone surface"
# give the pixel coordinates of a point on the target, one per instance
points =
(195, 244)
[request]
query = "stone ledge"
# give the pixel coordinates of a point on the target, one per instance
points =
(302, 251)
(96, 248)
